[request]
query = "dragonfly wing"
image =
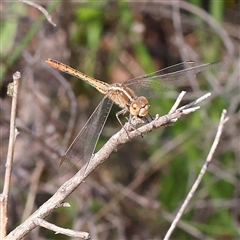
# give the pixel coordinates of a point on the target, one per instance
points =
(84, 144)
(153, 84)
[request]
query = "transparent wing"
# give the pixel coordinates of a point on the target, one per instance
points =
(84, 144)
(153, 84)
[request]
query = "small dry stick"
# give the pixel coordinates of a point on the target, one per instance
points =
(12, 138)
(57, 230)
(41, 9)
(223, 120)
(196, 101)
(177, 102)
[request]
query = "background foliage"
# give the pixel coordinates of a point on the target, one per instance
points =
(114, 41)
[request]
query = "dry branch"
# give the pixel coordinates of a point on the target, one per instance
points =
(12, 138)
(111, 146)
(223, 120)
(57, 230)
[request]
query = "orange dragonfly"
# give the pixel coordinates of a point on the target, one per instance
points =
(126, 96)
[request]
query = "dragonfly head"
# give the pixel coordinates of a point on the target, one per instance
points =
(139, 107)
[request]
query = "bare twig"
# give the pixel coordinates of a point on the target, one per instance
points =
(177, 102)
(223, 120)
(41, 9)
(12, 138)
(187, 227)
(207, 95)
(68, 187)
(57, 230)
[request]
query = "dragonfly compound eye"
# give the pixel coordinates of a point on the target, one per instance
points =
(139, 107)
(144, 106)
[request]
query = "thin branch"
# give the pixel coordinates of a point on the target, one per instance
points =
(57, 230)
(185, 226)
(111, 146)
(41, 9)
(205, 96)
(12, 138)
(177, 102)
(223, 120)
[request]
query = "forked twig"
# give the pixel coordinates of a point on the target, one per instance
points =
(111, 146)
(177, 102)
(57, 230)
(223, 120)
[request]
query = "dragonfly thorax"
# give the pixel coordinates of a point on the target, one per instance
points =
(139, 107)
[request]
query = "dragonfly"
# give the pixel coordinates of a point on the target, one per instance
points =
(130, 96)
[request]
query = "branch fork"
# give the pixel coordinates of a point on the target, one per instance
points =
(37, 218)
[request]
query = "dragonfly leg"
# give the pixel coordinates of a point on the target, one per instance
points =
(149, 120)
(123, 111)
(129, 120)
(133, 127)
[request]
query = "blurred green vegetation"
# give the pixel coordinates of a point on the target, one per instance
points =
(11, 51)
(211, 43)
(98, 24)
